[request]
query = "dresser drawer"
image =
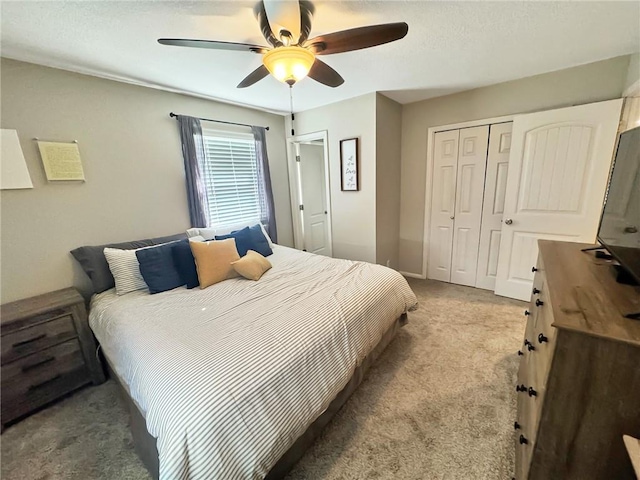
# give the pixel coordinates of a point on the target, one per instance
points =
(41, 377)
(20, 343)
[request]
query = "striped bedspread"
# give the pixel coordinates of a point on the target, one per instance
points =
(230, 376)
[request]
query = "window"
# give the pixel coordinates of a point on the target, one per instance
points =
(231, 179)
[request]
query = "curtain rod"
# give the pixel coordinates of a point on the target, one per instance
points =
(172, 115)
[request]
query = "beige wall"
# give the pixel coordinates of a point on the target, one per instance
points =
(584, 84)
(388, 138)
(353, 216)
(632, 82)
(132, 159)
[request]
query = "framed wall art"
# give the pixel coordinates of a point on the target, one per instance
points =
(349, 165)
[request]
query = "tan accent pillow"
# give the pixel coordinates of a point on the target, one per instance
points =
(252, 266)
(213, 260)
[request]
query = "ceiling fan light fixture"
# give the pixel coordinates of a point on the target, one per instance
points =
(289, 64)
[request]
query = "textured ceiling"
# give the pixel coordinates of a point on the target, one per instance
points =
(451, 46)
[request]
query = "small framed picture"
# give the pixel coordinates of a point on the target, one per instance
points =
(349, 163)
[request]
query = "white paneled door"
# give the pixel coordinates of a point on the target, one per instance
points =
(493, 204)
(445, 162)
(558, 170)
(472, 160)
(314, 199)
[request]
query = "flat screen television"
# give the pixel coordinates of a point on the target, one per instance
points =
(619, 230)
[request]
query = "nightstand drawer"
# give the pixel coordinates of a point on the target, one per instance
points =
(19, 344)
(41, 377)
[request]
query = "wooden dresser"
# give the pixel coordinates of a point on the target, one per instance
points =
(578, 385)
(48, 350)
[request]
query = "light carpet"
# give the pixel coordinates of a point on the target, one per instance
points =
(439, 404)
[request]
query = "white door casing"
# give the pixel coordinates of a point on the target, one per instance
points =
(558, 172)
(314, 214)
(295, 187)
(472, 160)
(445, 161)
(493, 204)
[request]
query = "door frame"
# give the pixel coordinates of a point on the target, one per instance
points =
(295, 186)
(431, 131)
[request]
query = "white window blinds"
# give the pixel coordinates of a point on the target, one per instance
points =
(231, 178)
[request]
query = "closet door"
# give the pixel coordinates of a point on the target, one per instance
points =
(558, 171)
(493, 205)
(472, 161)
(445, 160)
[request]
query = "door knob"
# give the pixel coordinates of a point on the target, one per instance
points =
(508, 221)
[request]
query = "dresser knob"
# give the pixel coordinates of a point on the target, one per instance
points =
(520, 353)
(530, 347)
(523, 441)
(542, 338)
(532, 392)
(539, 302)
(516, 426)
(535, 291)
(527, 312)
(534, 269)
(521, 388)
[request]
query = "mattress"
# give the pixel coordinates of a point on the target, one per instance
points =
(229, 377)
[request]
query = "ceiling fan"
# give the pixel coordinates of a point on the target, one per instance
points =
(286, 25)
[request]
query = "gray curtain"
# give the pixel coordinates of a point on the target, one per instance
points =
(193, 153)
(264, 181)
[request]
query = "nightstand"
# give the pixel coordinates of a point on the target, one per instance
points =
(48, 350)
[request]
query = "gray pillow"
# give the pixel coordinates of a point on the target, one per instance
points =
(92, 260)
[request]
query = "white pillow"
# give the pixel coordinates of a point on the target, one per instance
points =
(192, 232)
(197, 238)
(207, 233)
(266, 235)
(125, 269)
(210, 233)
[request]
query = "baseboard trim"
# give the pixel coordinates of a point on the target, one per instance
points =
(413, 275)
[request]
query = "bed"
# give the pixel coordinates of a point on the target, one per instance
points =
(236, 380)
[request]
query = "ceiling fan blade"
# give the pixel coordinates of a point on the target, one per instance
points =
(306, 15)
(283, 15)
(357, 38)
(323, 73)
(265, 28)
(241, 47)
(255, 76)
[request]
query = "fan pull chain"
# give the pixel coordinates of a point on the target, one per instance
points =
(291, 109)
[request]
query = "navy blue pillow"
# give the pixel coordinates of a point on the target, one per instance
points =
(243, 240)
(185, 264)
(158, 269)
(259, 242)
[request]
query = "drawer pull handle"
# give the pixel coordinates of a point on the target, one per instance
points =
(26, 368)
(516, 426)
(527, 312)
(542, 338)
(25, 342)
(520, 353)
(539, 302)
(46, 382)
(534, 269)
(523, 440)
(532, 392)
(530, 347)
(535, 291)
(521, 388)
